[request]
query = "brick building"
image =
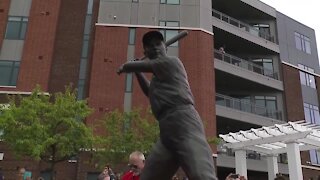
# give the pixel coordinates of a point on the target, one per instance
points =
(268, 74)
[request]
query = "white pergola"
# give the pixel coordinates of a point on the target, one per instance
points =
(290, 138)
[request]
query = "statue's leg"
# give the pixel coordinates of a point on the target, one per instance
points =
(183, 133)
(196, 160)
(160, 164)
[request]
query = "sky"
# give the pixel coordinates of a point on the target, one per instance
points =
(306, 12)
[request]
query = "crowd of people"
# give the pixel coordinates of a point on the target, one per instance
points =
(136, 165)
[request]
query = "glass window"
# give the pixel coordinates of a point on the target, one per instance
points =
(129, 82)
(87, 25)
(260, 101)
(16, 28)
(267, 65)
(80, 92)
(132, 34)
(9, 72)
(271, 102)
(302, 43)
(315, 156)
(169, 33)
(311, 113)
(85, 48)
(90, 6)
(83, 70)
(170, 1)
(298, 41)
(306, 78)
(307, 45)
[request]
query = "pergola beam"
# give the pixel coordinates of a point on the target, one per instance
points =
(268, 140)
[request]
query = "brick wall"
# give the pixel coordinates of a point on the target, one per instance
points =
(106, 88)
(196, 53)
(292, 93)
(68, 45)
(4, 10)
(38, 47)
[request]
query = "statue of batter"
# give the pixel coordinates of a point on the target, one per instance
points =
(182, 138)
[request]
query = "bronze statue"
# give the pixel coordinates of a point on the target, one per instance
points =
(182, 138)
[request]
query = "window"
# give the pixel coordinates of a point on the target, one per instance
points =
(169, 33)
(315, 156)
(268, 106)
(306, 78)
(170, 1)
(128, 84)
(135, 0)
(269, 102)
(311, 113)
(267, 65)
(132, 34)
(16, 27)
(263, 30)
(9, 72)
(302, 43)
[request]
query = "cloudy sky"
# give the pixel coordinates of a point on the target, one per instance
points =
(306, 12)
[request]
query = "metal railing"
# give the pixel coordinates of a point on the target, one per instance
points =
(230, 152)
(240, 105)
(242, 25)
(245, 64)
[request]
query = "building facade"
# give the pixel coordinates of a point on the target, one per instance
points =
(248, 65)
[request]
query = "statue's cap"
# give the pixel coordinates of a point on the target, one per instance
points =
(151, 35)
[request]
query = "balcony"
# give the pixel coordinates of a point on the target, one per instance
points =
(228, 58)
(242, 25)
(237, 104)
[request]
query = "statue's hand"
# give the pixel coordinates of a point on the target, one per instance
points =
(120, 70)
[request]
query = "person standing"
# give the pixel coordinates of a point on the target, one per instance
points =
(182, 138)
(104, 175)
(136, 165)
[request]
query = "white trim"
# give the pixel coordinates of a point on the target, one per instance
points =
(8, 86)
(294, 66)
(20, 92)
(310, 167)
(274, 139)
(214, 155)
(155, 27)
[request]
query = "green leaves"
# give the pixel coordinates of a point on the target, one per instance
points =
(125, 133)
(46, 127)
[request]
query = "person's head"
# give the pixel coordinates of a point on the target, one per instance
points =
(106, 170)
(136, 162)
(153, 44)
(175, 177)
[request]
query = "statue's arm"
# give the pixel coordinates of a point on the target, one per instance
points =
(135, 66)
(143, 82)
(138, 67)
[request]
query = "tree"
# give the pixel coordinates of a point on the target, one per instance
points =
(46, 127)
(126, 132)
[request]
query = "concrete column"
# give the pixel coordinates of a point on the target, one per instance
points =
(241, 162)
(294, 161)
(272, 167)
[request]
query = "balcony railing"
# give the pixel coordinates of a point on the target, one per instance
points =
(230, 152)
(240, 105)
(245, 64)
(282, 158)
(241, 25)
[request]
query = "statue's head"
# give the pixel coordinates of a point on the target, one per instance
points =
(153, 44)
